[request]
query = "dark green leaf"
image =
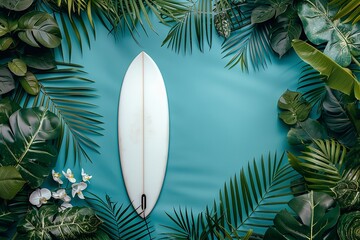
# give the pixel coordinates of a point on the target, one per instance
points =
(262, 13)
(287, 28)
(7, 219)
(7, 107)
(44, 60)
(338, 78)
(5, 43)
(17, 67)
(306, 133)
(23, 143)
(318, 213)
(16, 5)
(296, 109)
(348, 226)
(342, 39)
(30, 83)
(7, 82)
(11, 182)
(47, 223)
(39, 29)
(347, 193)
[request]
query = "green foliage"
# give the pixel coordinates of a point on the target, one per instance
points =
(24, 143)
(347, 8)
(17, 67)
(47, 222)
(342, 41)
(11, 182)
(321, 165)
(30, 83)
(317, 215)
(7, 220)
(348, 226)
(296, 109)
(268, 9)
(248, 201)
(306, 132)
(119, 221)
(16, 5)
(7, 82)
(338, 78)
(7, 107)
(347, 193)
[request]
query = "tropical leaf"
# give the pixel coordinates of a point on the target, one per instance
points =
(306, 132)
(17, 67)
(7, 82)
(30, 83)
(295, 108)
(7, 107)
(16, 5)
(347, 8)
(119, 221)
(248, 201)
(347, 194)
(342, 41)
(11, 182)
(47, 222)
(336, 118)
(70, 102)
(321, 166)
(348, 226)
(268, 9)
(7, 220)
(338, 78)
(24, 143)
(317, 215)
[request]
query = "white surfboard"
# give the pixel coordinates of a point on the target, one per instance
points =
(143, 133)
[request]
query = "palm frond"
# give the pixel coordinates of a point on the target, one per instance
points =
(347, 8)
(248, 202)
(321, 166)
(70, 103)
(120, 222)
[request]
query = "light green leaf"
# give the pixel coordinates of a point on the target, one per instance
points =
(39, 29)
(30, 83)
(7, 107)
(342, 39)
(47, 223)
(262, 13)
(317, 215)
(11, 182)
(16, 5)
(24, 143)
(338, 78)
(7, 82)
(5, 43)
(17, 67)
(296, 109)
(306, 132)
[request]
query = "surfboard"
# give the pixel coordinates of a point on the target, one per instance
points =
(143, 126)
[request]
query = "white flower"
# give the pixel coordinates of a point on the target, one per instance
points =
(77, 188)
(69, 175)
(85, 177)
(57, 177)
(64, 206)
(61, 194)
(39, 196)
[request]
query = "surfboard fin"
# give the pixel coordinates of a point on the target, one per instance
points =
(143, 202)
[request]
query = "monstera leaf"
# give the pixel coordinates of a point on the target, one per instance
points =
(16, 5)
(39, 29)
(23, 143)
(268, 9)
(342, 39)
(349, 225)
(306, 132)
(296, 109)
(317, 214)
(7, 107)
(47, 223)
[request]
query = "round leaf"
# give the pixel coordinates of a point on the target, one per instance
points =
(30, 84)
(7, 82)
(16, 5)
(17, 67)
(39, 29)
(11, 182)
(5, 43)
(262, 13)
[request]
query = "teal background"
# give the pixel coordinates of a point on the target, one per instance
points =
(220, 119)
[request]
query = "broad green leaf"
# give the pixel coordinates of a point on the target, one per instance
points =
(24, 143)
(7, 219)
(306, 132)
(16, 5)
(44, 60)
(17, 67)
(296, 109)
(7, 107)
(11, 182)
(262, 13)
(342, 39)
(286, 28)
(338, 78)
(316, 215)
(7, 82)
(349, 225)
(47, 222)
(39, 29)
(30, 83)
(5, 43)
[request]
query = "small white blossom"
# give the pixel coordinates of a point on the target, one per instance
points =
(57, 177)
(85, 177)
(77, 188)
(64, 206)
(61, 194)
(39, 196)
(69, 175)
